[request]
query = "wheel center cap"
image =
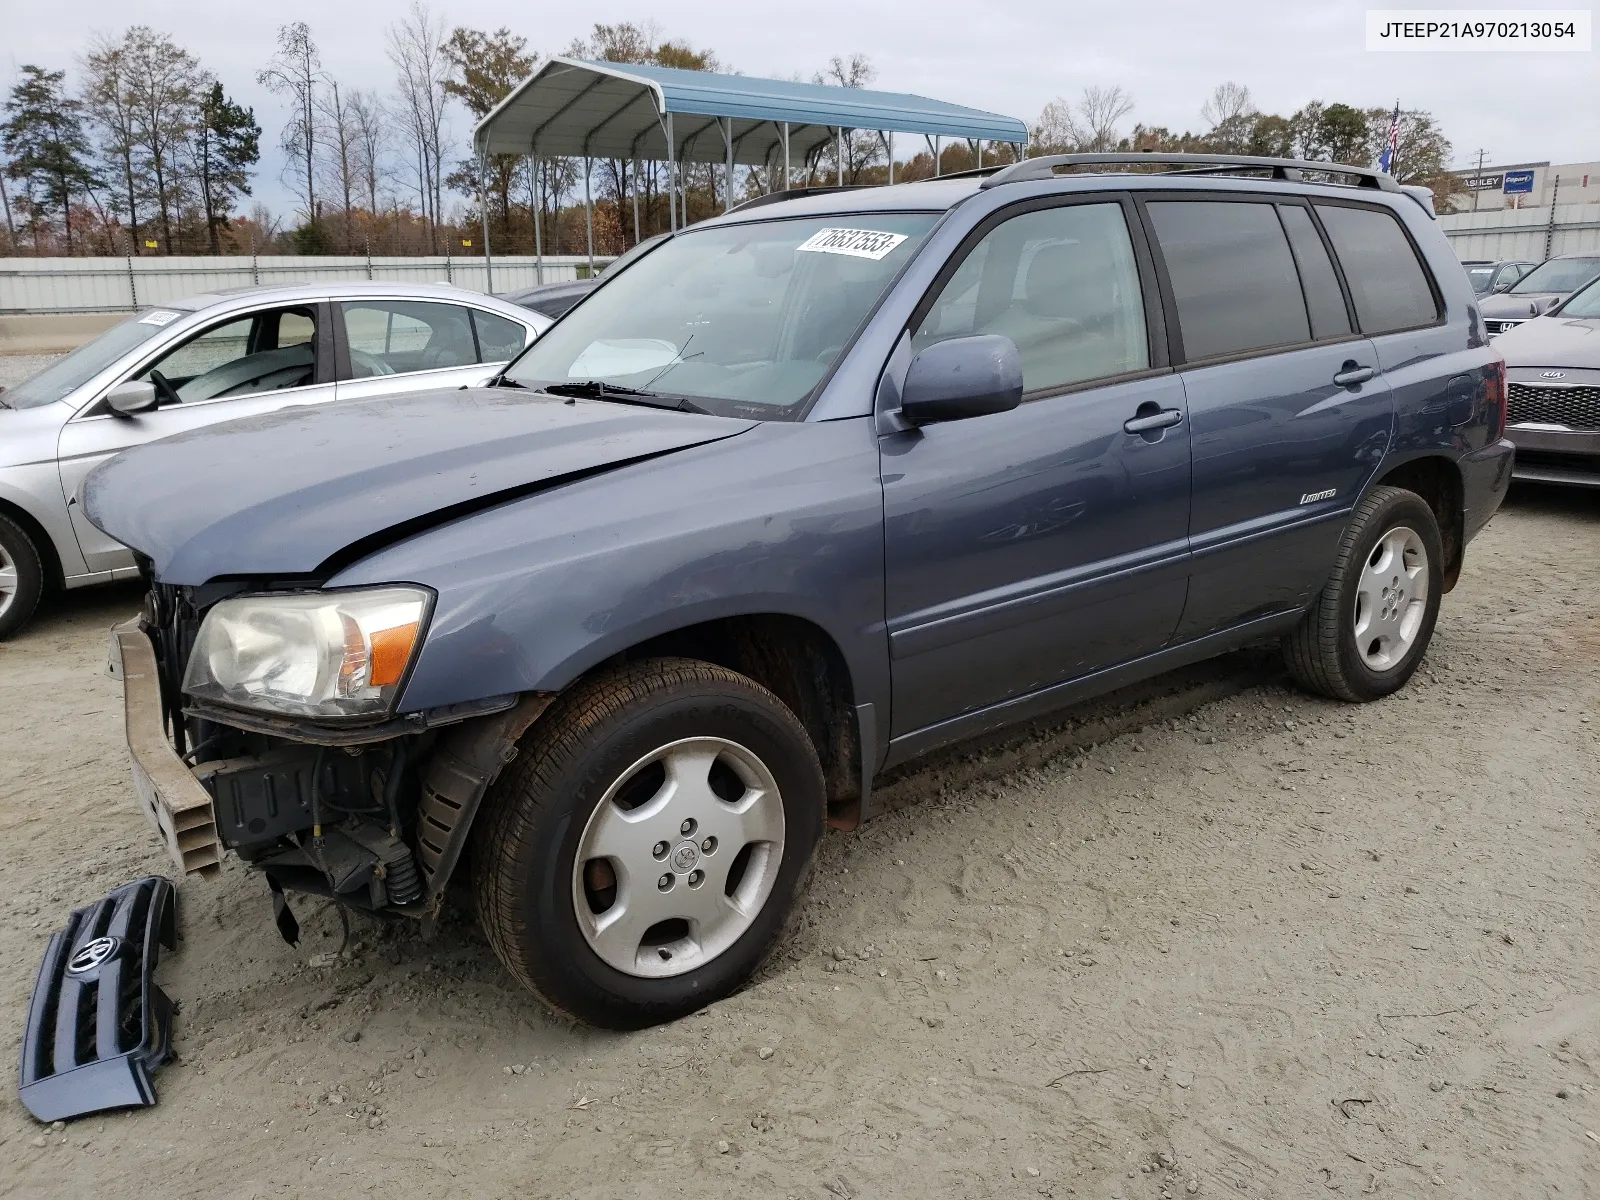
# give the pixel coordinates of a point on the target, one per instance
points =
(685, 857)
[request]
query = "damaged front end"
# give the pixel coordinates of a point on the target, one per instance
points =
(373, 815)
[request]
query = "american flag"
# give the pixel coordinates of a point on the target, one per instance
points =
(1392, 142)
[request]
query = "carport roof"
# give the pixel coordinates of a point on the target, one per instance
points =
(572, 107)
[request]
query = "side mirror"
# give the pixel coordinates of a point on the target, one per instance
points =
(131, 398)
(962, 377)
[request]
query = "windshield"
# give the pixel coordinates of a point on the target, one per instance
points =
(1558, 275)
(1480, 277)
(1585, 304)
(742, 320)
(61, 378)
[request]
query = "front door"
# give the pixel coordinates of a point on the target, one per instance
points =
(1030, 547)
(245, 364)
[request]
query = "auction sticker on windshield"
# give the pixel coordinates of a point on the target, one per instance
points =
(158, 318)
(857, 243)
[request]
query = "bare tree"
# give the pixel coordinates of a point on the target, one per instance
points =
(1228, 102)
(861, 147)
(370, 123)
(340, 161)
(295, 72)
(1090, 126)
(165, 90)
(108, 98)
(416, 48)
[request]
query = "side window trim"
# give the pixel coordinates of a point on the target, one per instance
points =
(1155, 321)
(1440, 315)
(1180, 359)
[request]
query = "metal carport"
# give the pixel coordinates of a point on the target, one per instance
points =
(574, 108)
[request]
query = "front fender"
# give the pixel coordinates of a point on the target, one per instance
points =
(786, 519)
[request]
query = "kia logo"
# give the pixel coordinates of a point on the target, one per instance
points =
(1552, 375)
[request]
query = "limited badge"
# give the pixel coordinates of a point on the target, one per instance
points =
(857, 243)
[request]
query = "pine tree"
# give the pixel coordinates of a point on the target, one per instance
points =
(44, 137)
(225, 144)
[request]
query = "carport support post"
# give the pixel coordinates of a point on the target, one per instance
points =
(672, 176)
(588, 209)
(786, 174)
(938, 153)
(635, 166)
(727, 140)
(483, 206)
(538, 226)
(838, 153)
(889, 143)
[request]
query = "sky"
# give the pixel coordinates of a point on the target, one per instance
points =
(1007, 56)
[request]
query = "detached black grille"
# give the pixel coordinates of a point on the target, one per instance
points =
(1574, 407)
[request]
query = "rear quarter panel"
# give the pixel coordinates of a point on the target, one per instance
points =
(786, 518)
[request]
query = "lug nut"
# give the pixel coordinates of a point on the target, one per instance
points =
(695, 878)
(708, 845)
(665, 882)
(687, 828)
(659, 850)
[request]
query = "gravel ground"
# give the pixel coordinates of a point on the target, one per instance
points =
(1214, 937)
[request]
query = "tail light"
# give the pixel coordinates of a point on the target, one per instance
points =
(1494, 387)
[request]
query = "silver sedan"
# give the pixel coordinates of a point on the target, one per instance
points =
(208, 359)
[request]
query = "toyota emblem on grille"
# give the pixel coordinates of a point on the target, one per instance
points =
(94, 954)
(1552, 374)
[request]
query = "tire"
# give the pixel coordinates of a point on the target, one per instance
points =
(594, 934)
(1396, 530)
(21, 577)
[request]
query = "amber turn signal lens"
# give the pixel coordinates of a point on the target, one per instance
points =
(391, 651)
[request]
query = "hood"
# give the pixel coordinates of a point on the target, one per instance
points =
(1553, 342)
(303, 491)
(1508, 307)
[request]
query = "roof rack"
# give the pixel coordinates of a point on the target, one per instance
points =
(1290, 169)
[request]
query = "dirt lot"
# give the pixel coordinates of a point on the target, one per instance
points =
(1213, 937)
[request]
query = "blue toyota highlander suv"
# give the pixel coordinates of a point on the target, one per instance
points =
(803, 492)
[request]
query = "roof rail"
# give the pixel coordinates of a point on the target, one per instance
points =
(1291, 169)
(799, 193)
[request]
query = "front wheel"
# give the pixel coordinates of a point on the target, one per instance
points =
(640, 857)
(21, 577)
(1372, 623)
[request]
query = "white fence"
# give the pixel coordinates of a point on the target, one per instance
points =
(72, 285)
(1529, 233)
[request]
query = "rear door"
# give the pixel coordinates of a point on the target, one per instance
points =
(1289, 413)
(395, 346)
(242, 364)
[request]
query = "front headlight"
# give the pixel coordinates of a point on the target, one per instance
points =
(309, 654)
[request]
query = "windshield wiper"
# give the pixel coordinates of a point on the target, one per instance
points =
(503, 380)
(596, 389)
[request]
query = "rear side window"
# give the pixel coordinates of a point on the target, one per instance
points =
(1324, 299)
(498, 337)
(1387, 282)
(1232, 275)
(395, 337)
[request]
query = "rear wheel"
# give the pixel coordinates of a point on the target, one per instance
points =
(640, 857)
(21, 577)
(1372, 623)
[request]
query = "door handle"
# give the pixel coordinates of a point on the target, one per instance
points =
(1350, 375)
(1166, 418)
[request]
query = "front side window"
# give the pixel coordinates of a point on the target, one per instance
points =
(742, 320)
(1061, 283)
(1387, 280)
(262, 352)
(1558, 275)
(1233, 276)
(396, 337)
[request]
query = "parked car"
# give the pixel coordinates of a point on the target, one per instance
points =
(212, 358)
(810, 490)
(1540, 290)
(554, 299)
(1553, 380)
(1488, 276)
